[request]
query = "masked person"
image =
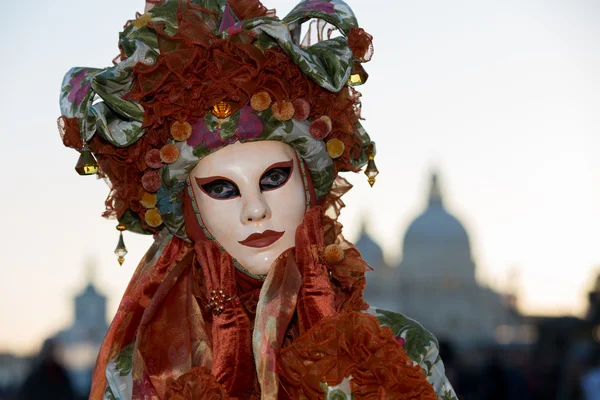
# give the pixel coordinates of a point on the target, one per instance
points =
(221, 133)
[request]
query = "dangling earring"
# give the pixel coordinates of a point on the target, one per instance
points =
(371, 171)
(121, 250)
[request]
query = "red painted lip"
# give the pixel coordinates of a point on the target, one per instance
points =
(258, 240)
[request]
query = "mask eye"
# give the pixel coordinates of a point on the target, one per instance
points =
(275, 177)
(220, 189)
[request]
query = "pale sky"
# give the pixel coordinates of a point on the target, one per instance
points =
(502, 97)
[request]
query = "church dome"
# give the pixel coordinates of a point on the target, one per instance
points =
(436, 244)
(378, 291)
(436, 226)
(369, 249)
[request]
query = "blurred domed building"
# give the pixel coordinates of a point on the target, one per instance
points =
(435, 281)
(80, 343)
(378, 289)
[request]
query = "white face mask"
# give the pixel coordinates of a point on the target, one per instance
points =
(251, 199)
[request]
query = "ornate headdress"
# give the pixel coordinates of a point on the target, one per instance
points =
(193, 76)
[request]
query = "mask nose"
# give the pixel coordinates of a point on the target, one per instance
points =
(255, 209)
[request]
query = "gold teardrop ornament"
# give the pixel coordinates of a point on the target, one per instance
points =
(371, 171)
(121, 250)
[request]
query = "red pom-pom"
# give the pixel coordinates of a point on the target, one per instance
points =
(153, 159)
(151, 181)
(301, 109)
(319, 128)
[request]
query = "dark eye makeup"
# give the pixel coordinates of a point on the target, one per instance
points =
(221, 188)
(218, 188)
(276, 176)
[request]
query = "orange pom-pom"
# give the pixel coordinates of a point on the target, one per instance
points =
(333, 254)
(301, 109)
(169, 153)
(283, 110)
(181, 130)
(148, 200)
(153, 218)
(335, 148)
(260, 101)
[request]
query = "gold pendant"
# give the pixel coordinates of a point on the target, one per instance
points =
(121, 250)
(371, 171)
(87, 164)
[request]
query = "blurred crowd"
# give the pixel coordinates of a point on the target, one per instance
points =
(561, 371)
(47, 379)
(556, 372)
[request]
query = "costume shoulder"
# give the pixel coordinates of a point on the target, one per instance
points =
(421, 346)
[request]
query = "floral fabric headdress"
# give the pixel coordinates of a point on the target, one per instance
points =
(196, 75)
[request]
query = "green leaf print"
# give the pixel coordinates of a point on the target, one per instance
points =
(211, 122)
(325, 388)
(109, 395)
(288, 126)
(337, 394)
(124, 360)
(448, 395)
(428, 365)
(265, 42)
(201, 151)
(229, 126)
(418, 339)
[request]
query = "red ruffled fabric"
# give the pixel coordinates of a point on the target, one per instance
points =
(246, 9)
(361, 44)
(348, 275)
(351, 344)
(198, 383)
(69, 132)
